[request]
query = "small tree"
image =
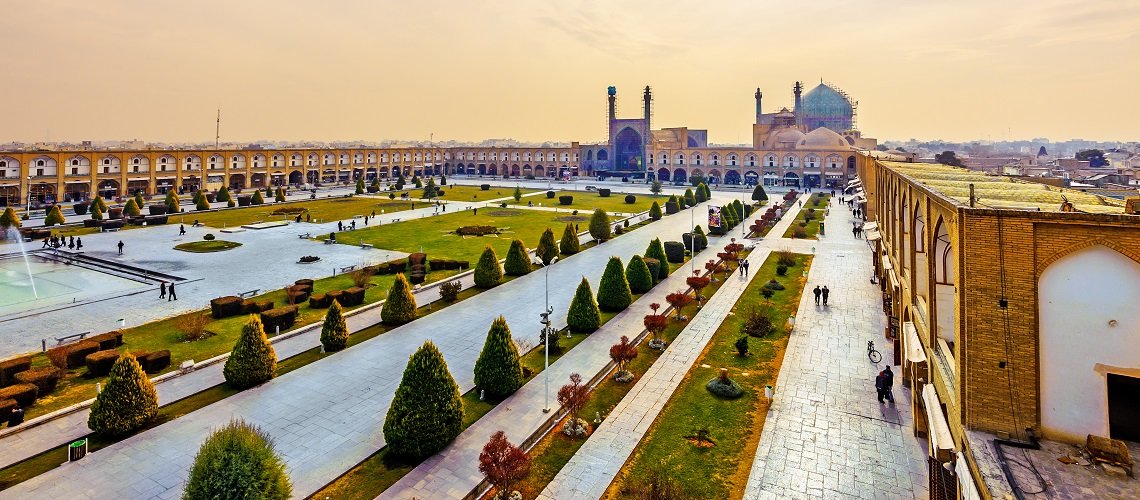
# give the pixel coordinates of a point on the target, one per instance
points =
(193, 326)
(498, 370)
(430, 190)
(741, 346)
(637, 274)
(400, 306)
(759, 194)
(442, 180)
(690, 198)
(574, 396)
(600, 225)
(139, 200)
(517, 194)
(9, 219)
(257, 199)
(202, 203)
(613, 291)
(253, 359)
(655, 324)
(657, 251)
(623, 352)
(96, 214)
(698, 283)
(583, 316)
(679, 300)
(701, 240)
(360, 186)
(417, 182)
(99, 202)
(488, 273)
(427, 413)
(757, 324)
(503, 464)
(334, 332)
(518, 260)
(655, 187)
(699, 195)
(131, 209)
(546, 250)
(55, 216)
(268, 190)
(172, 203)
(655, 211)
(128, 401)
(280, 196)
(238, 461)
(223, 195)
(569, 245)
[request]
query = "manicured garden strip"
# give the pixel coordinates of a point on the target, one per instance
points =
(818, 202)
(589, 200)
(669, 447)
(207, 246)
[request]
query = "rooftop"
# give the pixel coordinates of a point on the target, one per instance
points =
(1001, 192)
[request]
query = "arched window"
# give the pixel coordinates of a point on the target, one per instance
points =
(791, 161)
(680, 159)
(770, 161)
(919, 230)
(944, 272)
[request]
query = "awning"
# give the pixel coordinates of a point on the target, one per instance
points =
(887, 266)
(860, 199)
(871, 226)
(914, 351)
(855, 182)
(939, 430)
(873, 235)
(894, 279)
(965, 480)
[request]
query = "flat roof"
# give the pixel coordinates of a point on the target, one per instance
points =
(1001, 192)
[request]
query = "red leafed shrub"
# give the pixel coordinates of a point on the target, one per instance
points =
(624, 351)
(679, 300)
(574, 396)
(503, 464)
(655, 323)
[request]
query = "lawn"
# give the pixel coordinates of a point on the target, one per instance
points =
(719, 470)
(207, 246)
(436, 234)
(470, 193)
(326, 209)
(589, 200)
(816, 206)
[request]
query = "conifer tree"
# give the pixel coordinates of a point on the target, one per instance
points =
(759, 194)
(690, 198)
(569, 245)
(430, 191)
(488, 273)
(637, 274)
(268, 191)
(253, 359)
(442, 180)
(701, 240)
(700, 194)
(334, 331)
(400, 306)
(96, 214)
(55, 216)
(498, 370)
(657, 251)
(127, 402)
(131, 209)
(672, 205)
(223, 195)
(172, 202)
(613, 291)
(9, 219)
(203, 203)
(99, 202)
(517, 194)
(238, 461)
(139, 201)
(655, 211)
(257, 199)
(546, 250)
(280, 196)
(518, 260)
(600, 225)
(427, 413)
(360, 186)
(583, 316)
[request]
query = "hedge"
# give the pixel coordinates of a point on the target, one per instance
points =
(672, 206)
(638, 275)
(613, 292)
(250, 306)
(79, 209)
(334, 296)
(283, 317)
(427, 412)
(100, 363)
(604, 192)
(23, 394)
(127, 402)
(54, 216)
(550, 194)
(224, 307)
(319, 301)
(307, 283)
(44, 378)
(629, 198)
(498, 371)
(485, 187)
(352, 297)
(72, 355)
(238, 461)
(253, 359)
(488, 273)
(155, 362)
(9, 369)
(654, 267)
(674, 252)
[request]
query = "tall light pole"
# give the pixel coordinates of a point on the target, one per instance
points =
(546, 331)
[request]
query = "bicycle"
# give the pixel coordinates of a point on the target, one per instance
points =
(873, 354)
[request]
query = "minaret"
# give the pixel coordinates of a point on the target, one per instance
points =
(647, 97)
(612, 91)
(759, 111)
(798, 89)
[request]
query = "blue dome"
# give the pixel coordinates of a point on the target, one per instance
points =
(824, 106)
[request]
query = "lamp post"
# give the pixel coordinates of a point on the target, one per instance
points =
(546, 332)
(28, 211)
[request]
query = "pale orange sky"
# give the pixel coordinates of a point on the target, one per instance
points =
(157, 70)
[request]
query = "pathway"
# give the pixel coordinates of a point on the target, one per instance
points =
(326, 418)
(593, 467)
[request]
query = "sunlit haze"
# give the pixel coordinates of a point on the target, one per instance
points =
(538, 71)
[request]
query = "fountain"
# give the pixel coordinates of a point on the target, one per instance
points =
(10, 232)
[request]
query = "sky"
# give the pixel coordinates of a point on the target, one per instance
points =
(467, 70)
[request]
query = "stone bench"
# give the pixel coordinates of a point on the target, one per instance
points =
(111, 230)
(366, 245)
(305, 236)
(248, 294)
(346, 269)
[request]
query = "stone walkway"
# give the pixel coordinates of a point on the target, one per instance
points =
(328, 416)
(593, 467)
(826, 436)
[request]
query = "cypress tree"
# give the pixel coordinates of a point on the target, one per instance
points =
(430, 191)
(569, 245)
(518, 260)
(223, 195)
(375, 183)
(488, 273)
(657, 251)
(700, 194)
(268, 191)
(253, 359)
(417, 182)
(131, 208)
(126, 403)
(583, 316)
(400, 306)
(257, 199)
(280, 194)
(498, 370)
(238, 461)
(359, 186)
(701, 240)
(517, 194)
(334, 332)
(690, 198)
(139, 201)
(99, 202)
(600, 225)
(546, 250)
(655, 211)
(442, 180)
(10, 219)
(759, 194)
(96, 214)
(637, 275)
(202, 203)
(427, 413)
(613, 291)
(55, 216)
(172, 202)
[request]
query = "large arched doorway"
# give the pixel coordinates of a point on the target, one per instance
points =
(10, 196)
(296, 177)
(1089, 345)
(791, 179)
(751, 178)
(732, 177)
(237, 181)
(628, 150)
(663, 174)
(108, 188)
(679, 176)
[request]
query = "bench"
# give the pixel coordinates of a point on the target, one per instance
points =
(305, 236)
(65, 339)
(396, 220)
(198, 224)
(111, 230)
(328, 241)
(346, 269)
(251, 293)
(366, 245)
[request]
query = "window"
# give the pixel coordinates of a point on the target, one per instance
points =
(40, 163)
(135, 168)
(39, 171)
(3, 173)
(106, 161)
(135, 161)
(3, 164)
(75, 162)
(74, 171)
(106, 170)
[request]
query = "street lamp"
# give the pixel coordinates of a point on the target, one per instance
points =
(547, 331)
(28, 211)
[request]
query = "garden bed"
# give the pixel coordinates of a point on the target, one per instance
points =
(810, 226)
(207, 246)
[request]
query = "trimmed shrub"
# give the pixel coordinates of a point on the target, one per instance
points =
(307, 283)
(613, 291)
(319, 301)
(672, 205)
(655, 211)
(690, 198)
(334, 296)
(654, 267)
(223, 195)
(449, 291)
(244, 200)
(546, 250)
(565, 199)
(781, 269)
(100, 203)
(638, 275)
(518, 260)
(45, 378)
(774, 285)
(171, 202)
(583, 316)
(550, 194)
(360, 186)
(96, 214)
(674, 252)
(55, 216)
(127, 402)
(202, 203)
(702, 240)
(352, 297)
(334, 332)
(155, 362)
(600, 225)
(238, 461)
(256, 199)
(484, 187)
(78, 208)
(280, 195)
(400, 306)
(741, 346)
(23, 394)
(699, 195)
(724, 387)
(629, 198)
(224, 307)
(253, 359)
(488, 273)
(209, 237)
(10, 219)
(498, 370)
(427, 413)
(100, 363)
(656, 250)
(250, 306)
(9, 369)
(604, 192)
(569, 245)
(757, 324)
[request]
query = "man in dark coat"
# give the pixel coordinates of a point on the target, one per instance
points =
(817, 292)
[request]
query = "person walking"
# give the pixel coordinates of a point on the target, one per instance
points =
(121, 247)
(71, 242)
(339, 226)
(162, 290)
(741, 268)
(182, 228)
(172, 295)
(817, 293)
(47, 241)
(746, 268)
(825, 292)
(880, 383)
(885, 382)
(78, 243)
(855, 231)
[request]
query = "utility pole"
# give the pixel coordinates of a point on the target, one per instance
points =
(218, 129)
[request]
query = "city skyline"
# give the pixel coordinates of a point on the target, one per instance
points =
(292, 71)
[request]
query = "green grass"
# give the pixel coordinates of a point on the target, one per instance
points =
(207, 246)
(812, 226)
(436, 235)
(589, 200)
(720, 471)
(471, 193)
(323, 209)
